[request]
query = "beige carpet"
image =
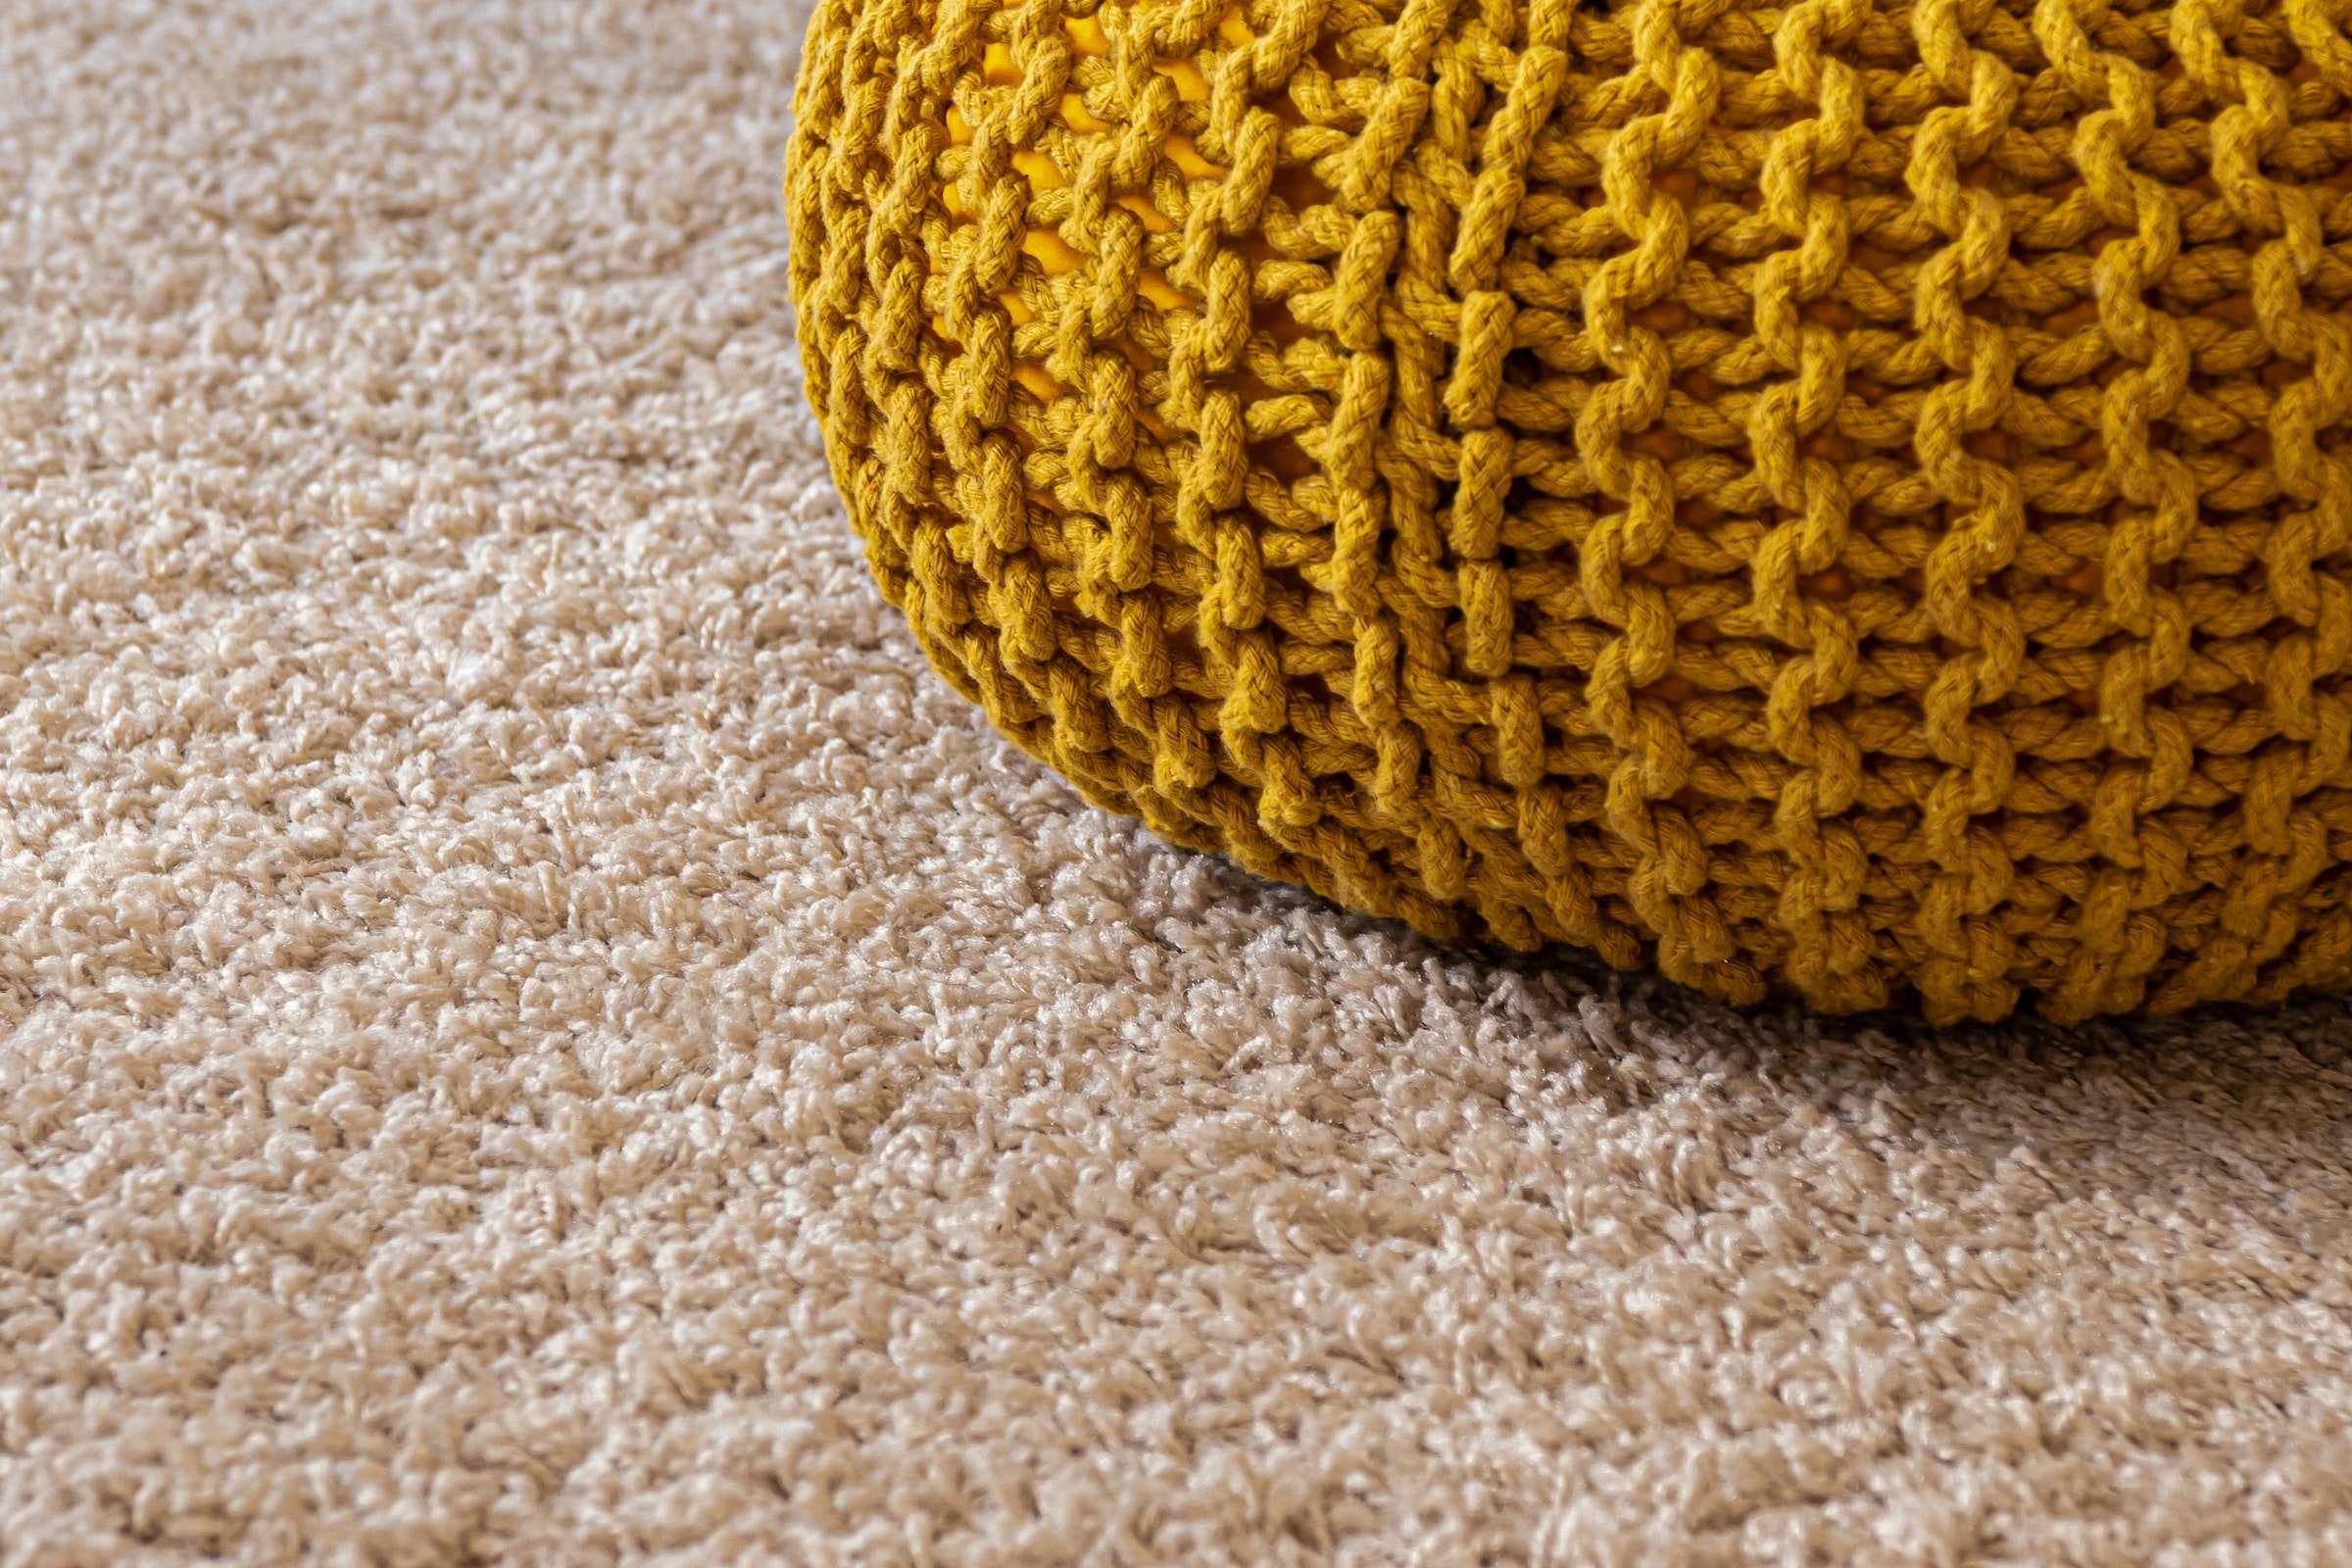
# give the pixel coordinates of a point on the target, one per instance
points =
(536, 1031)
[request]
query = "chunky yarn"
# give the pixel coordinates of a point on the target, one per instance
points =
(1847, 498)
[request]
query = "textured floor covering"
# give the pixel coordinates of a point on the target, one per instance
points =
(536, 1031)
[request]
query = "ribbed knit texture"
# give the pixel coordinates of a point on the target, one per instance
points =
(1850, 498)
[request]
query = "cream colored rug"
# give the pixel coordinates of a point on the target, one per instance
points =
(536, 1031)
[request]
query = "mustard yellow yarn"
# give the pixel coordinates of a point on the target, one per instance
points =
(1847, 498)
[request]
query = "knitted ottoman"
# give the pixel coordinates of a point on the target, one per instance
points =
(1849, 499)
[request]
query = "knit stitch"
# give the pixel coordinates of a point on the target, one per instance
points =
(1849, 498)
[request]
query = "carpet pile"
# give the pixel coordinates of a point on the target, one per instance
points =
(533, 1029)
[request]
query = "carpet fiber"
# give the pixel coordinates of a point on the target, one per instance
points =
(535, 1030)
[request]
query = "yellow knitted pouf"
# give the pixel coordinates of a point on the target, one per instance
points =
(1850, 498)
